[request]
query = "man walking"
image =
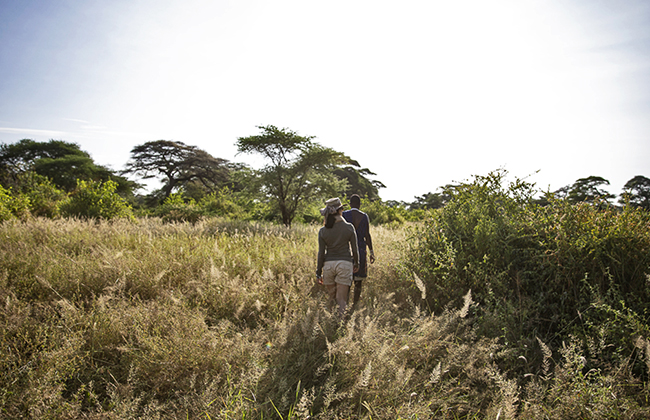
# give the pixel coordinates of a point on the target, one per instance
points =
(361, 223)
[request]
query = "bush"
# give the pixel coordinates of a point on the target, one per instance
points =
(96, 200)
(380, 213)
(464, 244)
(223, 203)
(44, 197)
(12, 205)
(391, 212)
(234, 205)
(176, 209)
(548, 265)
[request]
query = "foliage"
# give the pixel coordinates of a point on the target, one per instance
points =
(391, 213)
(62, 162)
(223, 203)
(12, 205)
(299, 170)
(636, 192)
(179, 165)
(175, 208)
(548, 266)
(35, 195)
(431, 200)
(358, 183)
(44, 197)
(380, 213)
(588, 190)
(96, 200)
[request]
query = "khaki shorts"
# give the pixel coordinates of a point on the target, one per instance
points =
(337, 272)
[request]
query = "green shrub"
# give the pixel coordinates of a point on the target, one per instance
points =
(223, 203)
(175, 208)
(13, 205)
(546, 264)
(96, 200)
(380, 213)
(44, 197)
(470, 242)
(391, 213)
(234, 205)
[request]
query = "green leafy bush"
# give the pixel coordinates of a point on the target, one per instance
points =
(96, 200)
(176, 209)
(12, 205)
(235, 206)
(44, 197)
(380, 213)
(464, 245)
(548, 265)
(391, 213)
(223, 203)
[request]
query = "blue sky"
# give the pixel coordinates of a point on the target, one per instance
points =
(424, 93)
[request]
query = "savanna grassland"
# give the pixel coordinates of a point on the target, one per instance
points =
(492, 307)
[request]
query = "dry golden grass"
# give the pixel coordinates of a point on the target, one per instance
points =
(219, 319)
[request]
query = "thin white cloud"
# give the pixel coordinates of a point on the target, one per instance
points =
(96, 131)
(32, 132)
(76, 120)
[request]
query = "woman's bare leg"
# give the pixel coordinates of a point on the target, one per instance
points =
(342, 293)
(331, 292)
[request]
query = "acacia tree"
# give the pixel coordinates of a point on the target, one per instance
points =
(432, 200)
(587, 189)
(298, 169)
(637, 192)
(178, 165)
(358, 181)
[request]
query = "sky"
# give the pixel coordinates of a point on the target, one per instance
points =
(424, 93)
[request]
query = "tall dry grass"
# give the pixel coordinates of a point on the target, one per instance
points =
(220, 319)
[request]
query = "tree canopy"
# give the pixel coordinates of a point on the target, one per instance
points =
(62, 162)
(636, 192)
(431, 200)
(588, 189)
(178, 165)
(358, 181)
(298, 169)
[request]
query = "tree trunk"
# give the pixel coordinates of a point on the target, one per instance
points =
(286, 216)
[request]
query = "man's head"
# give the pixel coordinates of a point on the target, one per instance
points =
(355, 201)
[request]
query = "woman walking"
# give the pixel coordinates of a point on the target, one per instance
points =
(338, 254)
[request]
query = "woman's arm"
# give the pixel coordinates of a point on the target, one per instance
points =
(321, 256)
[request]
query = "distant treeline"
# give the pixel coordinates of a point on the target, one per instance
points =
(57, 178)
